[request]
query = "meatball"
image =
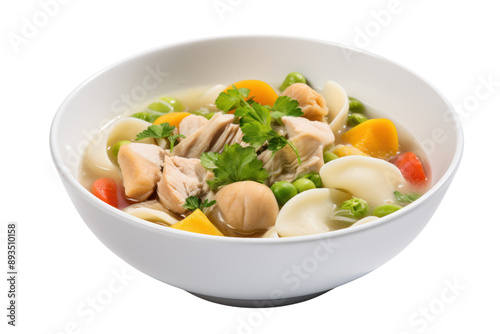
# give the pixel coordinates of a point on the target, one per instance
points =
(244, 208)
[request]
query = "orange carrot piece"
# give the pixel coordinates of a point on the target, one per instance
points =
(106, 190)
(173, 118)
(260, 91)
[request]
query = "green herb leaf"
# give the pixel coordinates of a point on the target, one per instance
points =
(254, 113)
(172, 139)
(208, 159)
(193, 203)
(164, 130)
(255, 119)
(256, 134)
(234, 164)
(277, 143)
(255, 124)
(285, 106)
(406, 198)
(232, 99)
(156, 131)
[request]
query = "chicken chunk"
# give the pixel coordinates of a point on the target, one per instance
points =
(182, 178)
(140, 165)
(312, 103)
(310, 138)
(204, 138)
(190, 124)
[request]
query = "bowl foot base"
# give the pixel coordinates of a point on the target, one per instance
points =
(257, 303)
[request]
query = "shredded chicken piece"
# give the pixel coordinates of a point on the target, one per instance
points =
(312, 103)
(190, 124)
(182, 178)
(310, 138)
(211, 136)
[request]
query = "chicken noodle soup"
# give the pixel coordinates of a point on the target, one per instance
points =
(251, 160)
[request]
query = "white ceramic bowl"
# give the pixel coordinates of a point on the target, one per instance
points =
(256, 272)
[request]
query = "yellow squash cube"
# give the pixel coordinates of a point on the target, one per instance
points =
(197, 222)
(376, 137)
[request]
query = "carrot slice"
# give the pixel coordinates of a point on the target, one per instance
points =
(410, 166)
(106, 190)
(260, 91)
(173, 118)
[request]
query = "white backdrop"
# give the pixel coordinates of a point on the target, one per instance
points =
(446, 281)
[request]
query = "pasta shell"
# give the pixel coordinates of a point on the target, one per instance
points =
(371, 179)
(338, 105)
(309, 213)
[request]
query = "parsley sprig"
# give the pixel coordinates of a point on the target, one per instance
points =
(234, 164)
(164, 130)
(193, 203)
(255, 119)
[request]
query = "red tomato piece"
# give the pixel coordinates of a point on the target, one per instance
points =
(411, 168)
(106, 190)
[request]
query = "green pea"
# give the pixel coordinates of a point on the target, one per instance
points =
(303, 184)
(291, 78)
(355, 105)
(283, 191)
(356, 119)
(356, 207)
(166, 105)
(329, 156)
(116, 147)
(315, 178)
(385, 209)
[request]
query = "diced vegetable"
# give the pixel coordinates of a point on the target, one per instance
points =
(283, 191)
(174, 118)
(376, 137)
(291, 78)
(205, 114)
(356, 208)
(356, 119)
(260, 91)
(106, 190)
(166, 105)
(116, 147)
(197, 222)
(148, 116)
(385, 209)
(346, 150)
(406, 198)
(315, 178)
(411, 168)
(329, 156)
(356, 106)
(303, 185)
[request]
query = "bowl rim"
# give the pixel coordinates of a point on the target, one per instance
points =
(66, 175)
